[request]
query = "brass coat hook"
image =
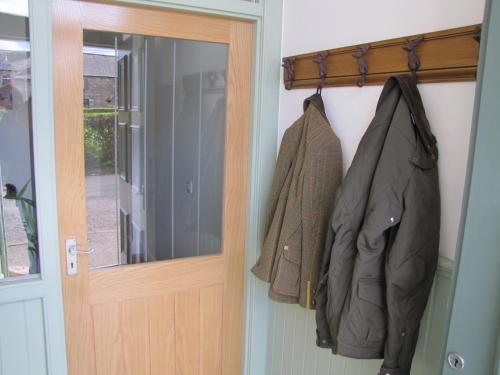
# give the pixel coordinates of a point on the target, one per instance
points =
(320, 61)
(413, 60)
(288, 65)
(362, 65)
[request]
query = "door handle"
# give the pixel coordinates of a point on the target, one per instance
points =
(75, 251)
(71, 256)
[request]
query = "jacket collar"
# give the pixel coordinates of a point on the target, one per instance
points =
(426, 155)
(317, 101)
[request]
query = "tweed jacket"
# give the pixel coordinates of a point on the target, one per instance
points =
(308, 172)
(383, 241)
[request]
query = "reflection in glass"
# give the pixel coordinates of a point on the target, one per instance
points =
(19, 253)
(154, 153)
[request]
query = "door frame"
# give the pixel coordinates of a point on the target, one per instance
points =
(475, 317)
(266, 17)
(46, 345)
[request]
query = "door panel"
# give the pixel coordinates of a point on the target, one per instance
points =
(181, 316)
(162, 334)
(22, 346)
(187, 327)
(172, 333)
(211, 306)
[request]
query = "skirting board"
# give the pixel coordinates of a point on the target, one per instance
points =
(292, 348)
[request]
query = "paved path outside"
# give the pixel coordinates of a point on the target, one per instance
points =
(102, 222)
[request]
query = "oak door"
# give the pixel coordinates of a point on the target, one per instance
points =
(151, 133)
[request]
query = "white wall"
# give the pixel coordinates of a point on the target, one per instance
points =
(324, 24)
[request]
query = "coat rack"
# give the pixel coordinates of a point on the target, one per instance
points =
(442, 56)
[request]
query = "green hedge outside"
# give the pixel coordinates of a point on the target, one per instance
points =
(99, 138)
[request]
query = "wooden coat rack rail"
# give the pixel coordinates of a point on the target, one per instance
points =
(442, 56)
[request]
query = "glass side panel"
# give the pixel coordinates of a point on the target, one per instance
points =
(19, 252)
(154, 147)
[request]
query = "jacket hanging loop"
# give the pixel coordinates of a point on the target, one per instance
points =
(362, 65)
(288, 65)
(320, 61)
(413, 60)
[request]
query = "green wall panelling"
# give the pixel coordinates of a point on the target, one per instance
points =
(22, 339)
(292, 339)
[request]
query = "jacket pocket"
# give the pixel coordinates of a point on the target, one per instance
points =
(366, 322)
(287, 279)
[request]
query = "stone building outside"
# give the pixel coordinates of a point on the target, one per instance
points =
(99, 72)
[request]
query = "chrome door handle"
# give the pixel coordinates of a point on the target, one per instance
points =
(75, 251)
(71, 256)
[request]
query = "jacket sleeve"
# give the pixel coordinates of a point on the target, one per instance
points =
(413, 248)
(322, 181)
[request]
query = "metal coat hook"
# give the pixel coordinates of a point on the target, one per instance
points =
(320, 61)
(362, 65)
(477, 34)
(413, 60)
(477, 37)
(288, 65)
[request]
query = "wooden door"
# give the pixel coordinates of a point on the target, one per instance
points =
(178, 316)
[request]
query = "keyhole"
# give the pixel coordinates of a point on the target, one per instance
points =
(456, 361)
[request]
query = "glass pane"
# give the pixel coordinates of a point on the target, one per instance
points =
(154, 153)
(19, 253)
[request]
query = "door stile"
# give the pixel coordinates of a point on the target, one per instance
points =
(68, 104)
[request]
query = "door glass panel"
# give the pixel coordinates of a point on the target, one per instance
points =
(19, 252)
(154, 147)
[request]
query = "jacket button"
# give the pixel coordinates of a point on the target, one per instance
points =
(285, 247)
(403, 334)
(391, 220)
